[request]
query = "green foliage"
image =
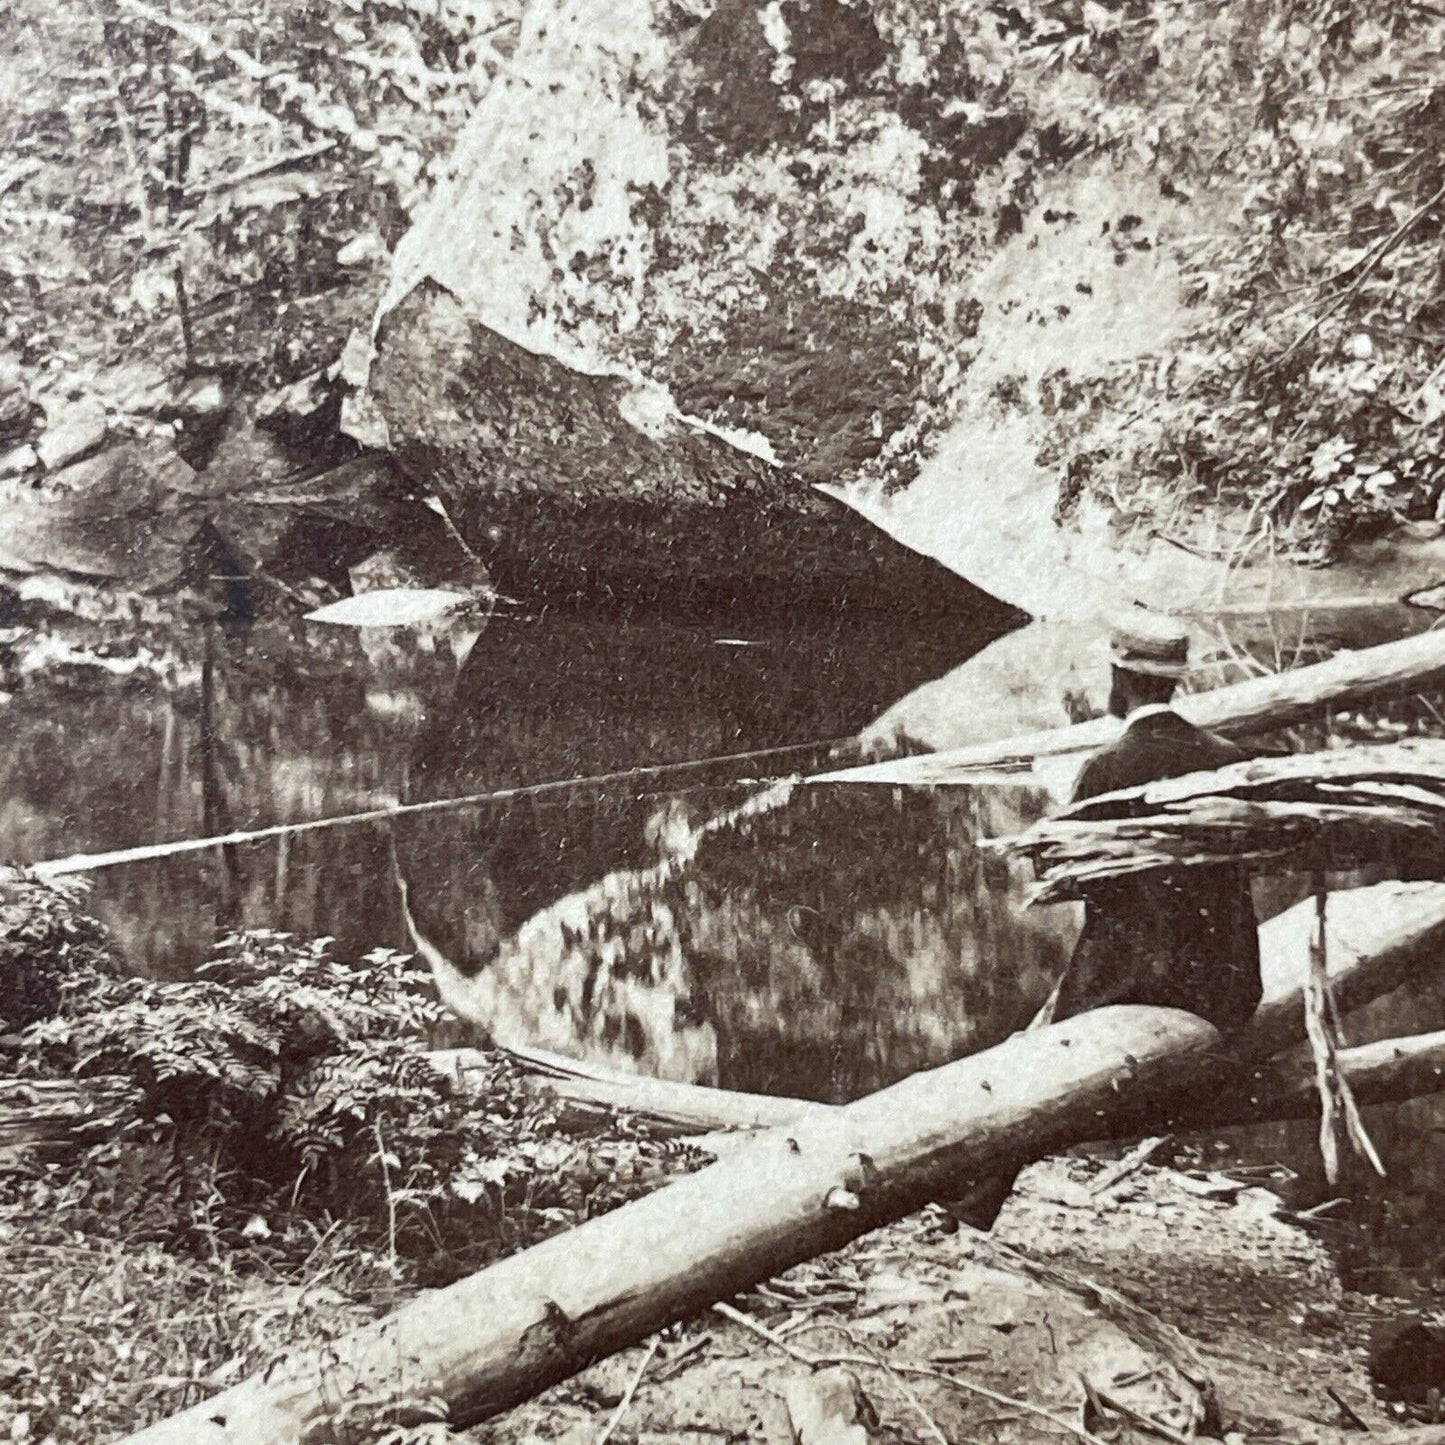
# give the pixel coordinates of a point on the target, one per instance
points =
(188, 172)
(48, 948)
(223, 1046)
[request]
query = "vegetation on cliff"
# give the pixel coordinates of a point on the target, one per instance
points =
(1171, 266)
(1308, 386)
(1047, 269)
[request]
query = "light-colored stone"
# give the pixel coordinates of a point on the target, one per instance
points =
(200, 397)
(73, 430)
(828, 1407)
(18, 460)
(361, 250)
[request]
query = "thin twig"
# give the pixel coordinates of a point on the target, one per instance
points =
(440, 508)
(1134, 1160)
(673, 1363)
(1317, 1211)
(132, 155)
(1322, 1024)
(627, 1395)
(930, 1425)
(263, 168)
(1352, 1416)
(957, 1382)
(1317, 1030)
(1142, 1326)
(1139, 1418)
(1381, 251)
(803, 1357)
(183, 311)
(1336, 97)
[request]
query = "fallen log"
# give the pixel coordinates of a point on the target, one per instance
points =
(1385, 1072)
(539, 1316)
(41, 1116)
(507, 1333)
(1305, 813)
(47, 1116)
(1262, 704)
(60, 1113)
(695, 1108)
(1378, 937)
(1275, 1090)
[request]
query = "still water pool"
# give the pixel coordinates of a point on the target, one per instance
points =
(819, 941)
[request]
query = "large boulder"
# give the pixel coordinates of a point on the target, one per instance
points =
(712, 260)
(583, 485)
(689, 269)
(954, 263)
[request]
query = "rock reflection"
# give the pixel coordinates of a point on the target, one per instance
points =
(815, 941)
(819, 941)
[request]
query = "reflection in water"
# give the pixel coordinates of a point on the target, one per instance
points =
(770, 951)
(813, 941)
(241, 731)
(572, 695)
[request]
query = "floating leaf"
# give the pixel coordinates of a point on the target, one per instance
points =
(393, 607)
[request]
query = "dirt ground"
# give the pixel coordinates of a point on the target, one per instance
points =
(947, 1339)
(918, 1332)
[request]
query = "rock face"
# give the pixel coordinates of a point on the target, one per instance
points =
(800, 242)
(927, 256)
(587, 487)
(729, 205)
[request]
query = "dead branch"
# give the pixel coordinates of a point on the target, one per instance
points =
(1309, 812)
(1262, 704)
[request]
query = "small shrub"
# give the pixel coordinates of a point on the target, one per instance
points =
(285, 1084)
(48, 948)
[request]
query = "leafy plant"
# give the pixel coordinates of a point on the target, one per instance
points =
(1309, 392)
(285, 1081)
(48, 949)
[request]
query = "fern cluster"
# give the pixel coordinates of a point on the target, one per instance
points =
(284, 1082)
(225, 1046)
(48, 948)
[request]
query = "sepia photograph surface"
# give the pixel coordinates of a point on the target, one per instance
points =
(722, 721)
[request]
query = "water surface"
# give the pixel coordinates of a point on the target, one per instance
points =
(822, 943)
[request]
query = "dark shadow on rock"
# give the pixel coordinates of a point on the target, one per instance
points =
(568, 494)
